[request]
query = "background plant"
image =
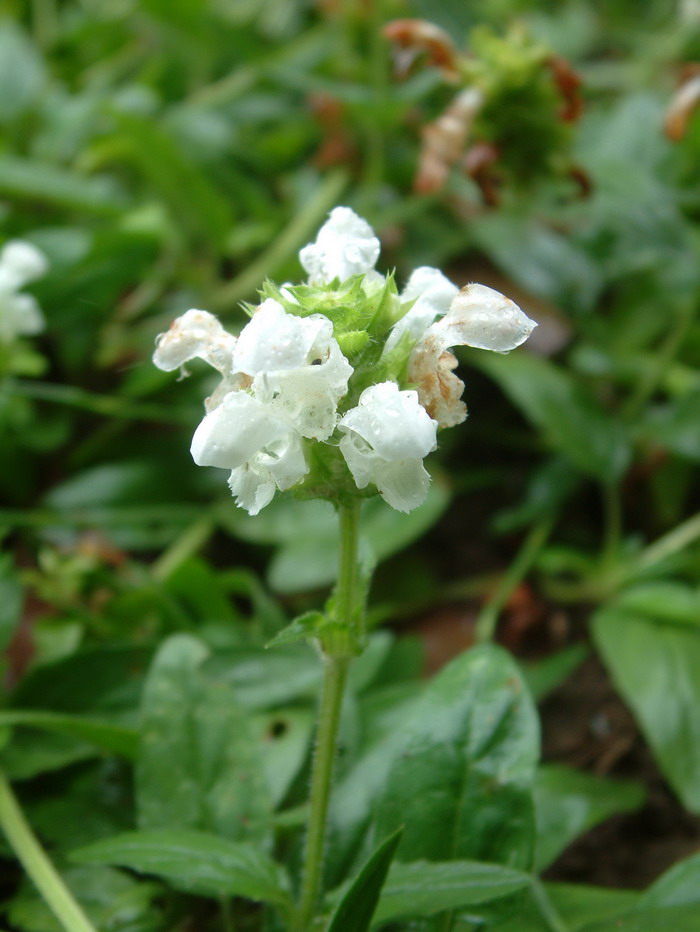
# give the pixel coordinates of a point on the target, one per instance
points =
(164, 156)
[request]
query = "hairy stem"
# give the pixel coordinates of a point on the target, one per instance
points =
(335, 676)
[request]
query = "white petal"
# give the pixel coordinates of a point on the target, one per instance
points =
(195, 334)
(345, 246)
(392, 422)
(432, 293)
(403, 485)
(20, 262)
(307, 397)
(275, 340)
(234, 431)
(280, 465)
(483, 318)
(251, 490)
(20, 315)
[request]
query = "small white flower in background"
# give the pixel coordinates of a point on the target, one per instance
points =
(478, 316)
(345, 246)
(385, 440)
(20, 315)
(284, 377)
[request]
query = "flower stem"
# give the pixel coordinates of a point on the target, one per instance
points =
(37, 864)
(336, 665)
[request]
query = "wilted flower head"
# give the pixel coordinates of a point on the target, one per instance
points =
(336, 387)
(20, 315)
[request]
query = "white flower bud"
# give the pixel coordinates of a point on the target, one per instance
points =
(478, 316)
(195, 334)
(345, 246)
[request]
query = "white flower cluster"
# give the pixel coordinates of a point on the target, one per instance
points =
(20, 263)
(284, 376)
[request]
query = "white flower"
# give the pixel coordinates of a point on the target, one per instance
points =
(345, 246)
(262, 452)
(385, 439)
(282, 380)
(20, 315)
(432, 294)
(478, 316)
(297, 367)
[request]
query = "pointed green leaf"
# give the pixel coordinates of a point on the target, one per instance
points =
(655, 664)
(194, 862)
(423, 888)
(104, 735)
(356, 909)
(461, 780)
(199, 764)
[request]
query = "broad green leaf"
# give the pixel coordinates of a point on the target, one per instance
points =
(104, 735)
(571, 419)
(569, 802)
(284, 737)
(95, 681)
(655, 665)
(21, 72)
(678, 886)
(358, 905)
(577, 905)
(676, 426)
(27, 180)
(460, 779)
(195, 862)
(268, 679)
(423, 888)
(199, 764)
(685, 918)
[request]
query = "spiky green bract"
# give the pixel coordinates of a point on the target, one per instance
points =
(357, 305)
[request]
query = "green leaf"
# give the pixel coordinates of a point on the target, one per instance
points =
(571, 419)
(655, 665)
(11, 597)
(685, 918)
(568, 803)
(301, 628)
(284, 737)
(194, 862)
(104, 735)
(199, 765)
(21, 72)
(356, 909)
(678, 886)
(28, 180)
(423, 888)
(544, 676)
(461, 777)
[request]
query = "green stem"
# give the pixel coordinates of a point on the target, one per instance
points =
(485, 626)
(335, 674)
(677, 539)
(37, 865)
(335, 677)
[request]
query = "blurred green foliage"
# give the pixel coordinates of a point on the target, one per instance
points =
(168, 155)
